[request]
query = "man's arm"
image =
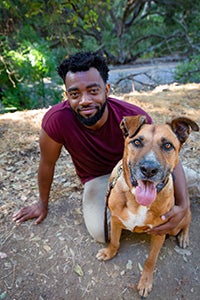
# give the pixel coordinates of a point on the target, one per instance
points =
(49, 153)
(175, 215)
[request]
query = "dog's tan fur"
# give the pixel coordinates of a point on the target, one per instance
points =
(152, 144)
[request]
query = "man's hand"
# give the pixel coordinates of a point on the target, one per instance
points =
(172, 218)
(36, 210)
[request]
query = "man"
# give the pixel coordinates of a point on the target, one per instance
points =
(87, 125)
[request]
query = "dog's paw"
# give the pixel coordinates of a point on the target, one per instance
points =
(183, 239)
(105, 254)
(145, 286)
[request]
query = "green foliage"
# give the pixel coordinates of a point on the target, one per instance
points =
(189, 71)
(37, 35)
(25, 75)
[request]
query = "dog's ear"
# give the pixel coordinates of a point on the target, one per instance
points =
(130, 125)
(182, 127)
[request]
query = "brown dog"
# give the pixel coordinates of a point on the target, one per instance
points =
(143, 187)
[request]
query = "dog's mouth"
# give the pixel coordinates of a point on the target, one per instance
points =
(145, 192)
(148, 178)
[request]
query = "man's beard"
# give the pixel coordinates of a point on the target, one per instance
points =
(90, 121)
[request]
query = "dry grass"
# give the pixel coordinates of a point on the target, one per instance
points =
(56, 259)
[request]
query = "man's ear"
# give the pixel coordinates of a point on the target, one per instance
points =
(130, 125)
(107, 89)
(182, 127)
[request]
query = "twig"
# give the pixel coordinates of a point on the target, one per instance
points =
(13, 278)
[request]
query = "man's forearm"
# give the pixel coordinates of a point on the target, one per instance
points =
(45, 178)
(180, 187)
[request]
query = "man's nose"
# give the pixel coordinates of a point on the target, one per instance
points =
(85, 99)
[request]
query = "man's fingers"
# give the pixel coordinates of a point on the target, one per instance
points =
(164, 228)
(23, 215)
(39, 220)
(167, 216)
(21, 218)
(30, 212)
(158, 231)
(16, 215)
(20, 213)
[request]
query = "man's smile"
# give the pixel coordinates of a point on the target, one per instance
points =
(90, 114)
(87, 111)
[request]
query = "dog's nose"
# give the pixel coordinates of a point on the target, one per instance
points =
(149, 169)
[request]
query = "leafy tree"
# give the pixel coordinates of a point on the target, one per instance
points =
(25, 72)
(189, 71)
(36, 35)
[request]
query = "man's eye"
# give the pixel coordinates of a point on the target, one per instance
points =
(74, 95)
(94, 91)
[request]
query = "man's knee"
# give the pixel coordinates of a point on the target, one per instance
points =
(94, 207)
(97, 233)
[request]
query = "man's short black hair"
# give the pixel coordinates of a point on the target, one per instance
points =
(83, 61)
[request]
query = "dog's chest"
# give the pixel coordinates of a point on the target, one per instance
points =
(131, 220)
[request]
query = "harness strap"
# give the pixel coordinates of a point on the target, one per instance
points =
(109, 189)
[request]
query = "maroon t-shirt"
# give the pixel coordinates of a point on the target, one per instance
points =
(93, 152)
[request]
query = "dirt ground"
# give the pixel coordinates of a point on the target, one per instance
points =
(56, 259)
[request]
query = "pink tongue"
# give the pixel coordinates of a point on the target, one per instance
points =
(145, 192)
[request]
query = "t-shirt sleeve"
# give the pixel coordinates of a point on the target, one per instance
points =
(123, 109)
(52, 126)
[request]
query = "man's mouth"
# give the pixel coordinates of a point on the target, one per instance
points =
(89, 115)
(87, 111)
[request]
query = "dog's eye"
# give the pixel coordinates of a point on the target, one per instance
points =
(167, 146)
(137, 143)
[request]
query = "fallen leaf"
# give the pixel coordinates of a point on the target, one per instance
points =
(47, 248)
(129, 265)
(183, 251)
(3, 255)
(35, 238)
(72, 252)
(140, 267)
(3, 295)
(78, 270)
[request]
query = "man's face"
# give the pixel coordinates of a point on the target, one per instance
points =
(87, 94)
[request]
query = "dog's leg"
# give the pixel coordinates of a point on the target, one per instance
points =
(183, 238)
(146, 281)
(182, 230)
(183, 235)
(111, 250)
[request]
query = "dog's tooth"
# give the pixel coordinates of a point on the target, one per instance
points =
(133, 190)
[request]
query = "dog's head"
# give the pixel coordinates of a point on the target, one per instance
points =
(151, 153)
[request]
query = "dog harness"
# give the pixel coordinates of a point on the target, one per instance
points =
(109, 189)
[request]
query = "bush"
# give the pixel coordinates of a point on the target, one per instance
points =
(25, 82)
(189, 71)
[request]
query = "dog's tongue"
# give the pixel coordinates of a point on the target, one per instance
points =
(145, 192)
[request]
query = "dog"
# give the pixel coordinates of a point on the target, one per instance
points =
(142, 187)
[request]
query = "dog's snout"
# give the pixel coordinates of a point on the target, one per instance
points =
(149, 169)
